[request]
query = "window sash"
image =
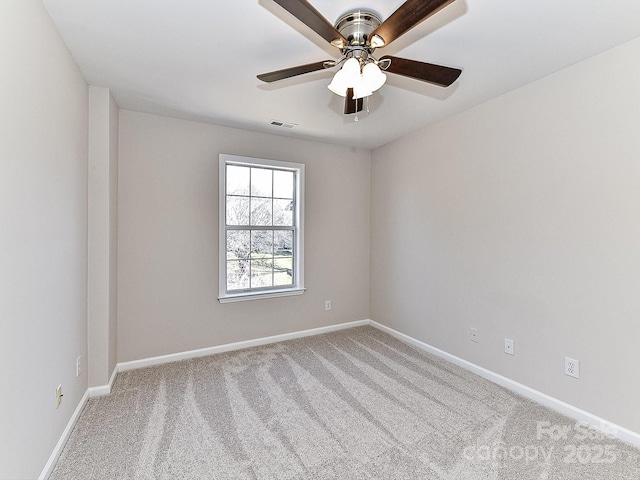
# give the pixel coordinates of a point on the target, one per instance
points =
(273, 257)
(227, 292)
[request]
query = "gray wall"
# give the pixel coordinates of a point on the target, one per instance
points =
(43, 236)
(168, 237)
(102, 236)
(521, 218)
(114, 133)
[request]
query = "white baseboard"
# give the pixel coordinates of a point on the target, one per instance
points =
(203, 352)
(90, 393)
(51, 463)
(559, 406)
(103, 389)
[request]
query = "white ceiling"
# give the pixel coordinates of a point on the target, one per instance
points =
(198, 59)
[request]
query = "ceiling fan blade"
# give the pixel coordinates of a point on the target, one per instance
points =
(407, 16)
(427, 72)
(307, 14)
(352, 105)
(291, 72)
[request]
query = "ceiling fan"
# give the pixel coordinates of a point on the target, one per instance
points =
(357, 34)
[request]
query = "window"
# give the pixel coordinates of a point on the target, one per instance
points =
(261, 228)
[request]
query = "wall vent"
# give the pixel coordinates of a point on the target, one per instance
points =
(278, 123)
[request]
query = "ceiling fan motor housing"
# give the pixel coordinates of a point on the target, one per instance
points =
(356, 26)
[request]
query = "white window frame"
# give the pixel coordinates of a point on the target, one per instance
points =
(298, 247)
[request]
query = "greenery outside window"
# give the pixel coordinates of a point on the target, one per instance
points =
(261, 228)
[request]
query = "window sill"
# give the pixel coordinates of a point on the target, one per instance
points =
(243, 297)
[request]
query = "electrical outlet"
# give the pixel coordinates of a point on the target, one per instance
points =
(572, 367)
(474, 335)
(327, 305)
(508, 346)
(58, 396)
(78, 366)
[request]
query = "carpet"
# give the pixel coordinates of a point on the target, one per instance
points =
(354, 404)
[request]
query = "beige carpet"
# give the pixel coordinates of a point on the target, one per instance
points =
(355, 404)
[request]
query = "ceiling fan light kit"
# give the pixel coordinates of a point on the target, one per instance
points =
(364, 80)
(357, 34)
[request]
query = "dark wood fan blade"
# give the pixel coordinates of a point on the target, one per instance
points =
(407, 16)
(307, 14)
(427, 72)
(291, 72)
(352, 105)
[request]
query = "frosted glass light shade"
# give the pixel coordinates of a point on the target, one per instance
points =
(372, 77)
(347, 77)
(351, 69)
(361, 91)
(339, 84)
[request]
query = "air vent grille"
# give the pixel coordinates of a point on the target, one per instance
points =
(278, 123)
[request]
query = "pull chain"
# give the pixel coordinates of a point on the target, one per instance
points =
(356, 100)
(366, 102)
